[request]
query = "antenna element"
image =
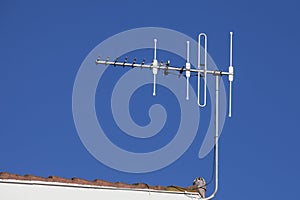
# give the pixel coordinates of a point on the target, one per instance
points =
(230, 76)
(202, 35)
(155, 68)
(187, 67)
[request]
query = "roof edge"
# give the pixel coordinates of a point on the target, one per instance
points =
(52, 180)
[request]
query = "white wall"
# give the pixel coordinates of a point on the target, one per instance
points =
(35, 190)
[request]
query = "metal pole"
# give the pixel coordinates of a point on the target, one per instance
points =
(217, 136)
(159, 67)
(216, 141)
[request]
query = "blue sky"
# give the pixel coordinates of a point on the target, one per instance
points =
(42, 46)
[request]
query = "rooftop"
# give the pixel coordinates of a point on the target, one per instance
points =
(96, 182)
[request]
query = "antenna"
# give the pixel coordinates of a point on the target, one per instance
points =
(201, 71)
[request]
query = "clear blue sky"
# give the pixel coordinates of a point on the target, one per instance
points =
(42, 46)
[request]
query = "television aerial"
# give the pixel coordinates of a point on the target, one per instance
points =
(201, 71)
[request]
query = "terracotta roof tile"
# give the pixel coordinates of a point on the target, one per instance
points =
(96, 182)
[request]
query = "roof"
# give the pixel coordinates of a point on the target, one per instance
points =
(96, 182)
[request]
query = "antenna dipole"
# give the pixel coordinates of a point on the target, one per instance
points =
(202, 35)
